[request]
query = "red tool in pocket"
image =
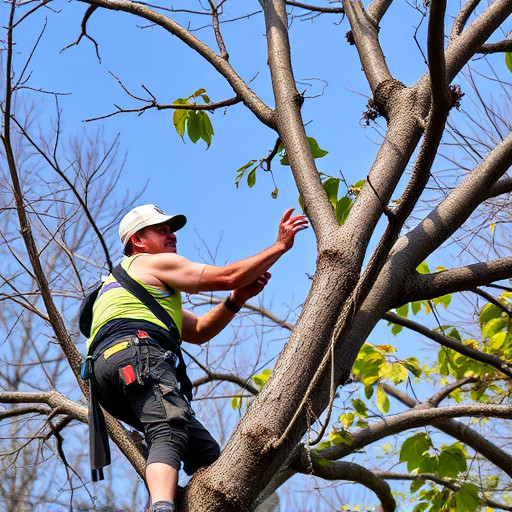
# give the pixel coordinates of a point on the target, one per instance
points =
(128, 375)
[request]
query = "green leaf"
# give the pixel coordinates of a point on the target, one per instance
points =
(360, 407)
(508, 60)
(198, 93)
(368, 392)
(428, 464)
(341, 436)
(492, 327)
(356, 187)
(387, 349)
(396, 329)
(403, 310)
(497, 341)
(343, 207)
(417, 484)
(316, 151)
(236, 402)
(382, 400)
(194, 128)
(422, 268)
(346, 419)
(242, 170)
(178, 120)
(420, 507)
(454, 333)
(205, 98)
(444, 300)
(331, 185)
(322, 462)
(206, 127)
(412, 364)
(488, 313)
(452, 461)
(261, 378)
(251, 178)
(415, 307)
(467, 498)
(413, 450)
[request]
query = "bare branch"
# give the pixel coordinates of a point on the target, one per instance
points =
(315, 8)
(245, 384)
(452, 343)
(87, 15)
(260, 110)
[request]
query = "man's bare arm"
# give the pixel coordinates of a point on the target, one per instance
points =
(201, 329)
(183, 275)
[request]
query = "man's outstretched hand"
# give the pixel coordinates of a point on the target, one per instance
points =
(289, 227)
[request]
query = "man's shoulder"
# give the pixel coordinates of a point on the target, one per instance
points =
(146, 260)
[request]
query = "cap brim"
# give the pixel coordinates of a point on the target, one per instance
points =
(176, 222)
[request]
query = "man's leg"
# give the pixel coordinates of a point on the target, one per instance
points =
(161, 480)
(202, 449)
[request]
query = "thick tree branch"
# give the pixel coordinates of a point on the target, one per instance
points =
(500, 47)
(430, 286)
(21, 411)
(290, 125)
(52, 399)
(463, 47)
(446, 218)
(502, 186)
(452, 343)
(413, 419)
(378, 8)
(462, 18)
(253, 102)
(365, 34)
(310, 463)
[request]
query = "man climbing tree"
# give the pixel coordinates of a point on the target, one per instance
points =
(136, 358)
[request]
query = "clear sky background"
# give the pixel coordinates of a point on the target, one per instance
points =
(188, 178)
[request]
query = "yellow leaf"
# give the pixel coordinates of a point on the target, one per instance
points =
(388, 349)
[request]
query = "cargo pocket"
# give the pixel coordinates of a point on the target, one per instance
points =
(176, 408)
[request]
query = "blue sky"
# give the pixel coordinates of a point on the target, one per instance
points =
(187, 178)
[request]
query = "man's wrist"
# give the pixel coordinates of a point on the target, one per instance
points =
(231, 305)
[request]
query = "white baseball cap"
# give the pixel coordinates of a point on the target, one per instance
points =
(144, 216)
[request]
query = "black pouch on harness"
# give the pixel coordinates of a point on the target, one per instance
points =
(85, 313)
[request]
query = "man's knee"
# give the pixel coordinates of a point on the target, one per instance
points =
(166, 443)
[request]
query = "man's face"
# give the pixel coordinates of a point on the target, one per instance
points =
(157, 239)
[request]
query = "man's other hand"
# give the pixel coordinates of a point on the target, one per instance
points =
(243, 294)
